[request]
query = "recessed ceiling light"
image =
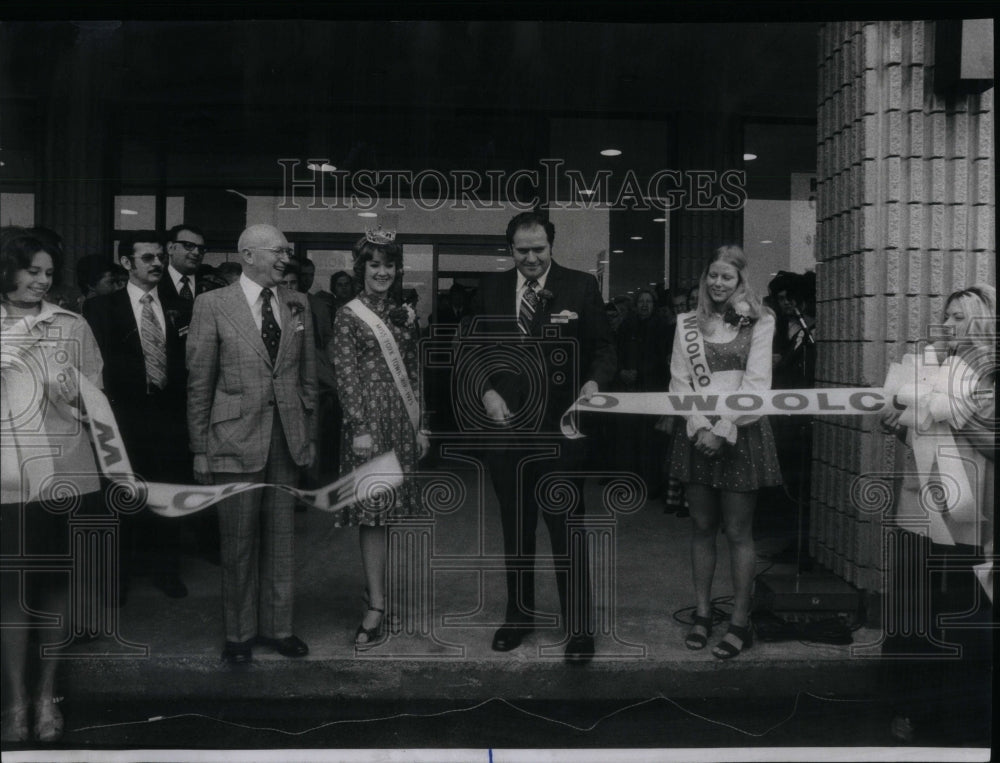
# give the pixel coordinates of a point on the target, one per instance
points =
(636, 238)
(659, 219)
(603, 262)
(767, 241)
(367, 214)
(618, 251)
(611, 152)
(129, 212)
(749, 157)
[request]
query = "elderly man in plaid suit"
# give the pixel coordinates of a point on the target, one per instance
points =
(251, 396)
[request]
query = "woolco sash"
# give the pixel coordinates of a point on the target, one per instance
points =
(849, 401)
(367, 482)
(694, 352)
(392, 359)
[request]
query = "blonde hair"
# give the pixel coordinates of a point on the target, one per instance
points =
(979, 303)
(733, 255)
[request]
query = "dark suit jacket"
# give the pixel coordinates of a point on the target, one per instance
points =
(146, 422)
(574, 320)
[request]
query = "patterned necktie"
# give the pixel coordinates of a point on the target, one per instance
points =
(185, 292)
(526, 311)
(270, 332)
(151, 336)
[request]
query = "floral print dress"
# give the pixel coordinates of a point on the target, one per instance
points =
(372, 406)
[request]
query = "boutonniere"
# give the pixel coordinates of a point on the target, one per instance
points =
(174, 317)
(738, 315)
(545, 296)
(296, 309)
(404, 315)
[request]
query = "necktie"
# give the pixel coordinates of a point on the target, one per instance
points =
(185, 292)
(526, 310)
(151, 336)
(270, 332)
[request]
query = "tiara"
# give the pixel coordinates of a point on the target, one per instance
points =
(379, 235)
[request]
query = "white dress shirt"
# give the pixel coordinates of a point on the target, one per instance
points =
(522, 284)
(176, 276)
(252, 290)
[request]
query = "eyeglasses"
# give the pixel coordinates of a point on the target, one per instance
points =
(278, 250)
(190, 246)
(148, 258)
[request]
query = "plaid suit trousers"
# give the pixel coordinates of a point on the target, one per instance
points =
(258, 556)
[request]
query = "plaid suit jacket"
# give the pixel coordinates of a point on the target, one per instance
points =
(233, 387)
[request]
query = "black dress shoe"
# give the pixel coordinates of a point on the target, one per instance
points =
(289, 646)
(580, 650)
(173, 587)
(510, 637)
(238, 652)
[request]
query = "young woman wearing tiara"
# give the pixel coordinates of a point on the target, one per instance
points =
(372, 335)
(723, 345)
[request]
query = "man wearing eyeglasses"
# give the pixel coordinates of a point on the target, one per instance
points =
(144, 377)
(186, 248)
(251, 401)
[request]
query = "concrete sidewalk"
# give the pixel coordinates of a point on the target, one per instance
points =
(442, 647)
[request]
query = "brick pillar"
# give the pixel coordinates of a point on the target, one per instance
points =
(713, 142)
(905, 208)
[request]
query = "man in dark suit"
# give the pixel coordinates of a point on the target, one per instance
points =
(251, 402)
(186, 249)
(560, 312)
(179, 286)
(144, 378)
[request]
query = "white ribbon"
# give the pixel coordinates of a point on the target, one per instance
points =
(849, 401)
(368, 482)
(390, 351)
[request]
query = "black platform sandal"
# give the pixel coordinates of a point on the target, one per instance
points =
(697, 641)
(726, 650)
(372, 635)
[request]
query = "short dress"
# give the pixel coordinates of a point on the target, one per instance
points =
(751, 463)
(372, 405)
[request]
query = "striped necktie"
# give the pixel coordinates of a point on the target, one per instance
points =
(270, 331)
(526, 311)
(153, 344)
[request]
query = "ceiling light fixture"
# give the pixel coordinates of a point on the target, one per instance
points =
(749, 157)
(129, 212)
(618, 251)
(367, 214)
(636, 238)
(611, 152)
(767, 241)
(659, 219)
